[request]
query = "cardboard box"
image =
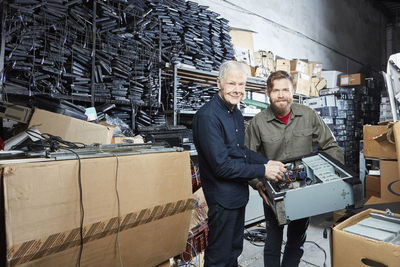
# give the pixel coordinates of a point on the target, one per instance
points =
(251, 71)
(243, 45)
(390, 182)
(352, 79)
(283, 64)
(317, 84)
(242, 38)
(354, 251)
(71, 129)
(377, 148)
(330, 100)
(264, 59)
(331, 77)
(299, 66)
(42, 210)
(378, 201)
(315, 68)
(318, 102)
(372, 186)
(301, 83)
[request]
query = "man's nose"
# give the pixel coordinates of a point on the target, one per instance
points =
(237, 88)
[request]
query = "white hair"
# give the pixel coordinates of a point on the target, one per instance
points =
(229, 65)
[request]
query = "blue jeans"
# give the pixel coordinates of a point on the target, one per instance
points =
(296, 236)
(225, 236)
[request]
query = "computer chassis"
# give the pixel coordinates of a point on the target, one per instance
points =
(313, 185)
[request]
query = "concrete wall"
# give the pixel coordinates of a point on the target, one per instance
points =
(343, 34)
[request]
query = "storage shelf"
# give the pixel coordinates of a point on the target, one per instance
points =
(209, 78)
(88, 98)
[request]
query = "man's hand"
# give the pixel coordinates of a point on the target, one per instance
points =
(274, 170)
(261, 190)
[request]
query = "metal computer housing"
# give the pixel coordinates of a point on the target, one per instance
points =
(333, 187)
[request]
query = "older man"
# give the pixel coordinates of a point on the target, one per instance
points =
(283, 131)
(226, 166)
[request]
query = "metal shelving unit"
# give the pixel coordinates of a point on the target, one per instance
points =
(208, 78)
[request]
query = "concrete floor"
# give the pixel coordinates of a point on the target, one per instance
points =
(252, 256)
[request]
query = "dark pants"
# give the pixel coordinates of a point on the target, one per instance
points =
(296, 236)
(225, 236)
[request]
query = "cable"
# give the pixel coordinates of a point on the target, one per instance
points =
(258, 235)
(54, 142)
(190, 262)
(81, 205)
(119, 212)
(318, 246)
(255, 236)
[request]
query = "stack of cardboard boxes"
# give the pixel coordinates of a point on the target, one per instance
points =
(348, 249)
(386, 186)
(306, 76)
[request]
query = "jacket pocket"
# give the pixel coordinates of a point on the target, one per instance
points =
(302, 141)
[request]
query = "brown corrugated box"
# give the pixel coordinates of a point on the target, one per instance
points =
(42, 210)
(389, 180)
(301, 83)
(315, 68)
(71, 129)
(377, 147)
(353, 250)
(317, 84)
(352, 79)
(372, 186)
(283, 64)
(299, 66)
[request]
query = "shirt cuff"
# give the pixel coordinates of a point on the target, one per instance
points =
(260, 170)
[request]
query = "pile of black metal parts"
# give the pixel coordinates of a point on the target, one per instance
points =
(108, 51)
(193, 95)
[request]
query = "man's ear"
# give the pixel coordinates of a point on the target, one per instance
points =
(219, 83)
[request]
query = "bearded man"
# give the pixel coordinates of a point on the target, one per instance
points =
(283, 131)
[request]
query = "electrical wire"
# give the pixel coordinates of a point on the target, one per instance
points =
(190, 262)
(119, 212)
(54, 142)
(81, 205)
(258, 236)
(255, 236)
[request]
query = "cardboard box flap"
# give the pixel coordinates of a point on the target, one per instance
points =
(376, 143)
(71, 129)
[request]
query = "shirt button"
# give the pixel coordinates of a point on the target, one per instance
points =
(245, 156)
(237, 144)
(236, 130)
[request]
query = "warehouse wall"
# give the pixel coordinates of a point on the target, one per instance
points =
(344, 35)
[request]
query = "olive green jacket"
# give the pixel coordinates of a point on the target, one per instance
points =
(278, 141)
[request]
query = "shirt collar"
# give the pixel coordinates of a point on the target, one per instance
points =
(223, 104)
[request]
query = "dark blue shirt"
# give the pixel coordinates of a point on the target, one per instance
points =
(226, 165)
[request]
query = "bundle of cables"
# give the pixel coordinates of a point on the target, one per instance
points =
(51, 142)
